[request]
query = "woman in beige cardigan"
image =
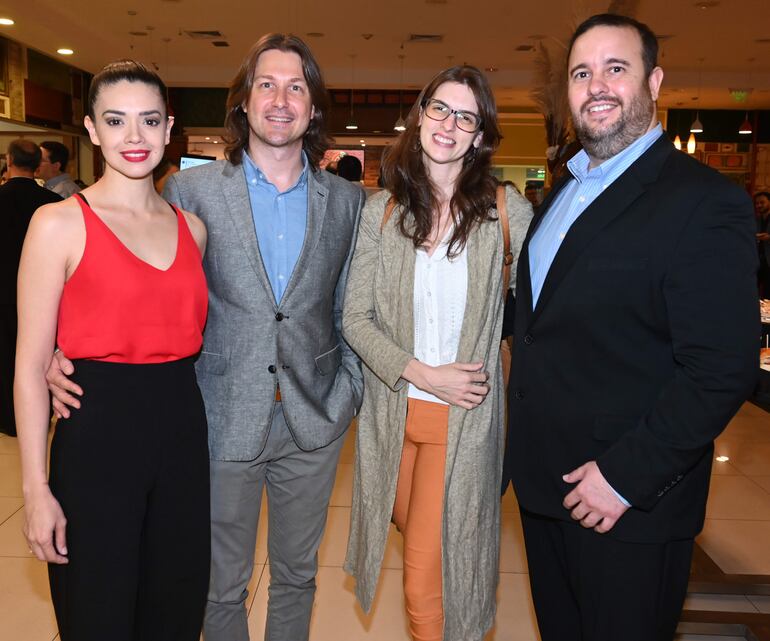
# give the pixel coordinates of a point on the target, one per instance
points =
(423, 309)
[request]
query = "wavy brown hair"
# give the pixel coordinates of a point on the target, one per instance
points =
(316, 140)
(405, 176)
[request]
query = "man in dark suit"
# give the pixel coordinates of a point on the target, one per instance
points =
(19, 198)
(635, 342)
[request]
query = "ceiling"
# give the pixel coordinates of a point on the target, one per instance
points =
(724, 46)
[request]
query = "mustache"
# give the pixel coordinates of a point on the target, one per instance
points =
(596, 99)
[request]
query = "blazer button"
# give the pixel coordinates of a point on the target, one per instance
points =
(279, 317)
(518, 395)
(528, 340)
(271, 369)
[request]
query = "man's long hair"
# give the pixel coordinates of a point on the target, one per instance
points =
(316, 140)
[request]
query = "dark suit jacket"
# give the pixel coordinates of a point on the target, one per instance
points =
(642, 346)
(19, 198)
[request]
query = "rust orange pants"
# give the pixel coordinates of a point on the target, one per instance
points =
(417, 513)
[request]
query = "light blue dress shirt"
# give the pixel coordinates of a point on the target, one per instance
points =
(573, 200)
(280, 220)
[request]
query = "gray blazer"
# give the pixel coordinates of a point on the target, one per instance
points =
(252, 343)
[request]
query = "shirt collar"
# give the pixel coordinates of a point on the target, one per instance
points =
(63, 177)
(578, 164)
(252, 171)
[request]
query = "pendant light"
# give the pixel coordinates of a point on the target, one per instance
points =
(691, 144)
(400, 123)
(352, 125)
(697, 126)
(745, 127)
(678, 143)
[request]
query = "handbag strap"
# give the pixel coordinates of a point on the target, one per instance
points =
(501, 214)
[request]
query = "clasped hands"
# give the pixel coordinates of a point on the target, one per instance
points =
(461, 384)
(592, 501)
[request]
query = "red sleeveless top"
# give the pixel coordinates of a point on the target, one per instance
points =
(115, 307)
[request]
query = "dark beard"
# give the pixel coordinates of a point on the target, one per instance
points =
(632, 124)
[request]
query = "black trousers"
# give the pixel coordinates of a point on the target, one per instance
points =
(7, 367)
(590, 587)
(130, 470)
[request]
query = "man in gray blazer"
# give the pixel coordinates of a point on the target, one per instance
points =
(279, 383)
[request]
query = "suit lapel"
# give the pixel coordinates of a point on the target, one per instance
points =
(236, 195)
(317, 200)
(610, 204)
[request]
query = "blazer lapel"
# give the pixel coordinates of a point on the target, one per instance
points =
(317, 200)
(236, 195)
(608, 205)
(523, 277)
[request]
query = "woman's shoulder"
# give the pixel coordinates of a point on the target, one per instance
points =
(59, 216)
(518, 208)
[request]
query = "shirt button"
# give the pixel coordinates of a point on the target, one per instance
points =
(582, 199)
(279, 316)
(280, 276)
(528, 340)
(271, 369)
(253, 181)
(280, 236)
(428, 294)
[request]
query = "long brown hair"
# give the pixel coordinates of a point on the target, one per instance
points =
(316, 140)
(405, 176)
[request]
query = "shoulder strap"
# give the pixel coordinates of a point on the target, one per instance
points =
(388, 211)
(502, 214)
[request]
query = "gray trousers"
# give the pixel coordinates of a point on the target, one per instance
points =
(299, 485)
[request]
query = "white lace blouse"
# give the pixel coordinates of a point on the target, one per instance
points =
(440, 290)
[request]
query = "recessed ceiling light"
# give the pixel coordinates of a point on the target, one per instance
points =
(490, 69)
(64, 51)
(723, 459)
(7, 22)
(208, 137)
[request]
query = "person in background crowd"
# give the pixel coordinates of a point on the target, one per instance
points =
(20, 196)
(532, 194)
(53, 169)
(620, 382)
(123, 520)
(424, 309)
(762, 210)
(349, 168)
(161, 173)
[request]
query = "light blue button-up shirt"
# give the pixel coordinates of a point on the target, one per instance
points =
(573, 200)
(280, 220)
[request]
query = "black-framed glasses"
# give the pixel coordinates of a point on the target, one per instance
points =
(468, 121)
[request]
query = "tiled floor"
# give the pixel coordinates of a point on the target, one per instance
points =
(736, 534)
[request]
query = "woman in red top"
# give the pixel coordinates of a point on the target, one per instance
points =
(114, 277)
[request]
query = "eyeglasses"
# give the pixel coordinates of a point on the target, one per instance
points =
(465, 120)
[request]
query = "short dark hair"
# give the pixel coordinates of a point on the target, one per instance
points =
(129, 70)
(24, 154)
(349, 167)
(647, 36)
(766, 194)
(316, 140)
(57, 152)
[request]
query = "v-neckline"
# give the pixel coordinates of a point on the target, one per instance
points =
(128, 251)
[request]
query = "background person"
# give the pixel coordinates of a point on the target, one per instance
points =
(20, 196)
(53, 169)
(423, 309)
(129, 470)
(762, 210)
